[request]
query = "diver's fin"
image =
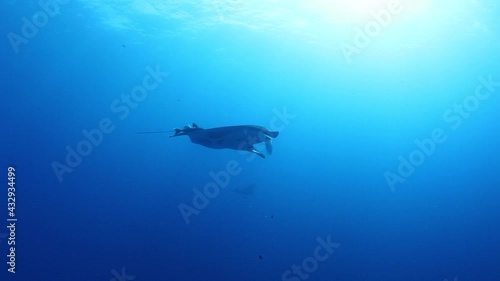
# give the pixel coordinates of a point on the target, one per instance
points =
(269, 146)
(253, 150)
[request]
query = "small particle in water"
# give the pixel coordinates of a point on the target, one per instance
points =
(260, 257)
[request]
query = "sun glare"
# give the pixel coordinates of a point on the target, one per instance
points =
(355, 11)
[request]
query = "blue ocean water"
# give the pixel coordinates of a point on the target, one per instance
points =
(385, 167)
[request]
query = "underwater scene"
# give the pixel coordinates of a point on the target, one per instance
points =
(250, 140)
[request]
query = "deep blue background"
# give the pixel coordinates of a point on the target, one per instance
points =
(234, 64)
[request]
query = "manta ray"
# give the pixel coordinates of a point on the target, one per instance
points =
(233, 137)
